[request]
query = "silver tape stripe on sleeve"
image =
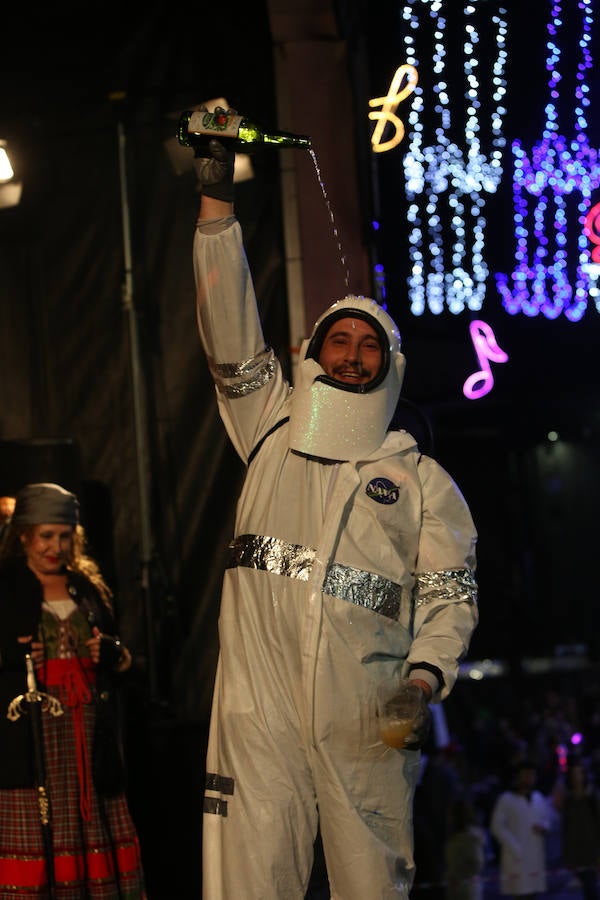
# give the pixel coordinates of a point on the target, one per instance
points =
(240, 379)
(447, 585)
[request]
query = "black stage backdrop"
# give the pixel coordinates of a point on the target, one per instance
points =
(64, 328)
(67, 394)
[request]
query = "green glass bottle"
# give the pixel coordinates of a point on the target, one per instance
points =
(197, 127)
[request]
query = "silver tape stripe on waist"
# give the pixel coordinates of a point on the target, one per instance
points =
(255, 551)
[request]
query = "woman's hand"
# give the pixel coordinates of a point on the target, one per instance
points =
(37, 653)
(93, 645)
(109, 651)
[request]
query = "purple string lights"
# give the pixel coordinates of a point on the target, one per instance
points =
(546, 188)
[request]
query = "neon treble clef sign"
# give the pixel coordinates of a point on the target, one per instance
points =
(486, 347)
(591, 229)
(389, 104)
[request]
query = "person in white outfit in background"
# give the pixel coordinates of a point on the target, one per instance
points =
(520, 821)
(352, 560)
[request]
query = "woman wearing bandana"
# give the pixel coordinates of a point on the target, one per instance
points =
(56, 615)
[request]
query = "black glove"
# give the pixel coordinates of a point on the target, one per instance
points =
(418, 736)
(215, 170)
(111, 651)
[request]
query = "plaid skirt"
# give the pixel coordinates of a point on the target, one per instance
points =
(95, 844)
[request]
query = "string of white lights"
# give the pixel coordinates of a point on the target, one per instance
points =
(447, 184)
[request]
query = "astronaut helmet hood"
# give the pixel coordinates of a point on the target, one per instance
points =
(334, 420)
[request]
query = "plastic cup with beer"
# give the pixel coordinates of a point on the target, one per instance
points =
(398, 706)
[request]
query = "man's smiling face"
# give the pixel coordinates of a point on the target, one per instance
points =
(351, 352)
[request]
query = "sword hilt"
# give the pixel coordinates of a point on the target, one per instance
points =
(16, 707)
(31, 680)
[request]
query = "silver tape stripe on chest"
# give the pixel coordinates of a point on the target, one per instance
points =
(255, 551)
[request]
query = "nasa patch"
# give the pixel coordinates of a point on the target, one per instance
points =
(382, 490)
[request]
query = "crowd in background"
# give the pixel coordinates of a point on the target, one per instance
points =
(551, 722)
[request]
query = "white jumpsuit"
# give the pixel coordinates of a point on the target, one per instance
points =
(340, 575)
(522, 850)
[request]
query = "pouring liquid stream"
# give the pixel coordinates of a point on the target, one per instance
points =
(334, 229)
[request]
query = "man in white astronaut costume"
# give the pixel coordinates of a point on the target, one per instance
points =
(352, 559)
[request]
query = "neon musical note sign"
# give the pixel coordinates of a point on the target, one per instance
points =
(389, 104)
(486, 347)
(591, 229)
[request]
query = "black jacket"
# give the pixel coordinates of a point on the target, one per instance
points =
(21, 597)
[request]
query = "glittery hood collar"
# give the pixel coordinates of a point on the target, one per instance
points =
(333, 420)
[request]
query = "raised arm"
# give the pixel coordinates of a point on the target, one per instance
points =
(248, 379)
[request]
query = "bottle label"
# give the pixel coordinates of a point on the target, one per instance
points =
(223, 124)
